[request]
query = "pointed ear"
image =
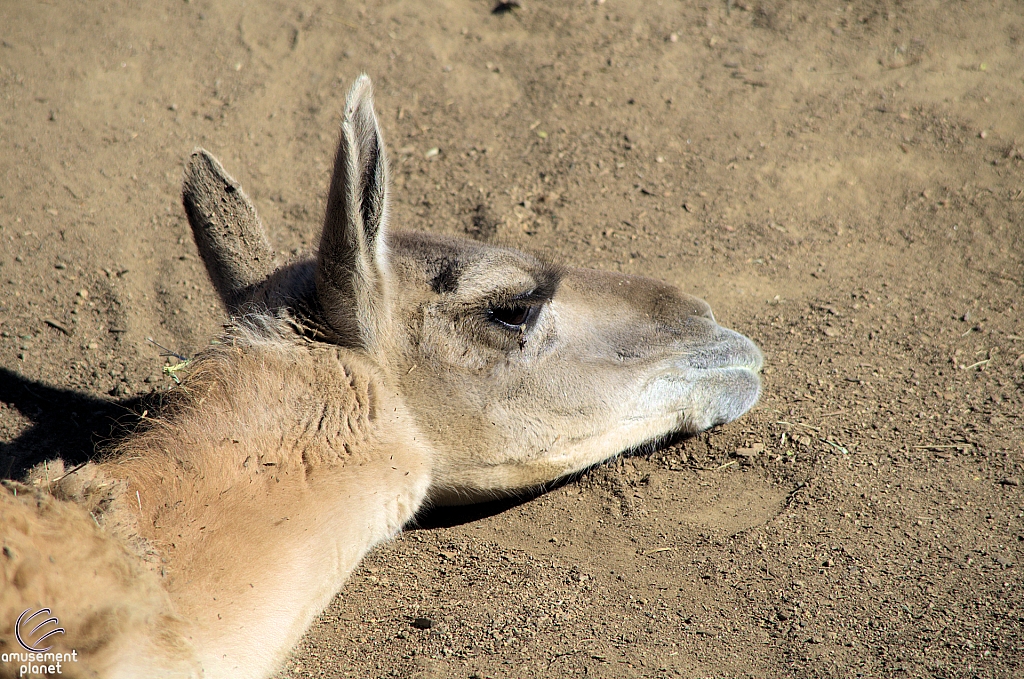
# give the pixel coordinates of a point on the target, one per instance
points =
(353, 279)
(226, 228)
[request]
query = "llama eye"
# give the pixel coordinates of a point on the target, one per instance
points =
(513, 317)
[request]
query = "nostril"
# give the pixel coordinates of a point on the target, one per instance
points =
(702, 314)
(699, 308)
(703, 309)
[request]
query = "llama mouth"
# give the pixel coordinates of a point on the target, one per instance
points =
(735, 391)
(728, 380)
(711, 386)
(728, 350)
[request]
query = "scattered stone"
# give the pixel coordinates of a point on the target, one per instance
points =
(748, 454)
(506, 6)
(1010, 481)
(57, 326)
(422, 623)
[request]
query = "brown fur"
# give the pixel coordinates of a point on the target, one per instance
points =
(392, 370)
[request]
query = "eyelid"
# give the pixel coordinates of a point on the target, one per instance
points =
(532, 298)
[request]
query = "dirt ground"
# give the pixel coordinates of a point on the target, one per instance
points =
(842, 181)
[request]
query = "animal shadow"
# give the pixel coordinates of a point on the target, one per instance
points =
(64, 423)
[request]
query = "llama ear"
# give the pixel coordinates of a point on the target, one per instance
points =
(353, 279)
(226, 228)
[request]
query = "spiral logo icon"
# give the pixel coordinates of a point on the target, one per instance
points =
(41, 629)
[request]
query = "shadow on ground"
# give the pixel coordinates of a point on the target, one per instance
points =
(64, 423)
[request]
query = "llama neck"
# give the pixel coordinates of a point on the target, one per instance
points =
(262, 491)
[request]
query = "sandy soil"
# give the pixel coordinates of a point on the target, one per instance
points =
(842, 181)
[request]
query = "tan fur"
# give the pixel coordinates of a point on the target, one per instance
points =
(392, 370)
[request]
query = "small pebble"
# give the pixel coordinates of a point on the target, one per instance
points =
(422, 623)
(1010, 481)
(747, 453)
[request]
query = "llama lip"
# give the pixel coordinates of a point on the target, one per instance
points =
(727, 349)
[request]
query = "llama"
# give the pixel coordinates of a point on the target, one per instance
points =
(391, 370)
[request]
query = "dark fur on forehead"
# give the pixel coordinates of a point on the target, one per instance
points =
(445, 275)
